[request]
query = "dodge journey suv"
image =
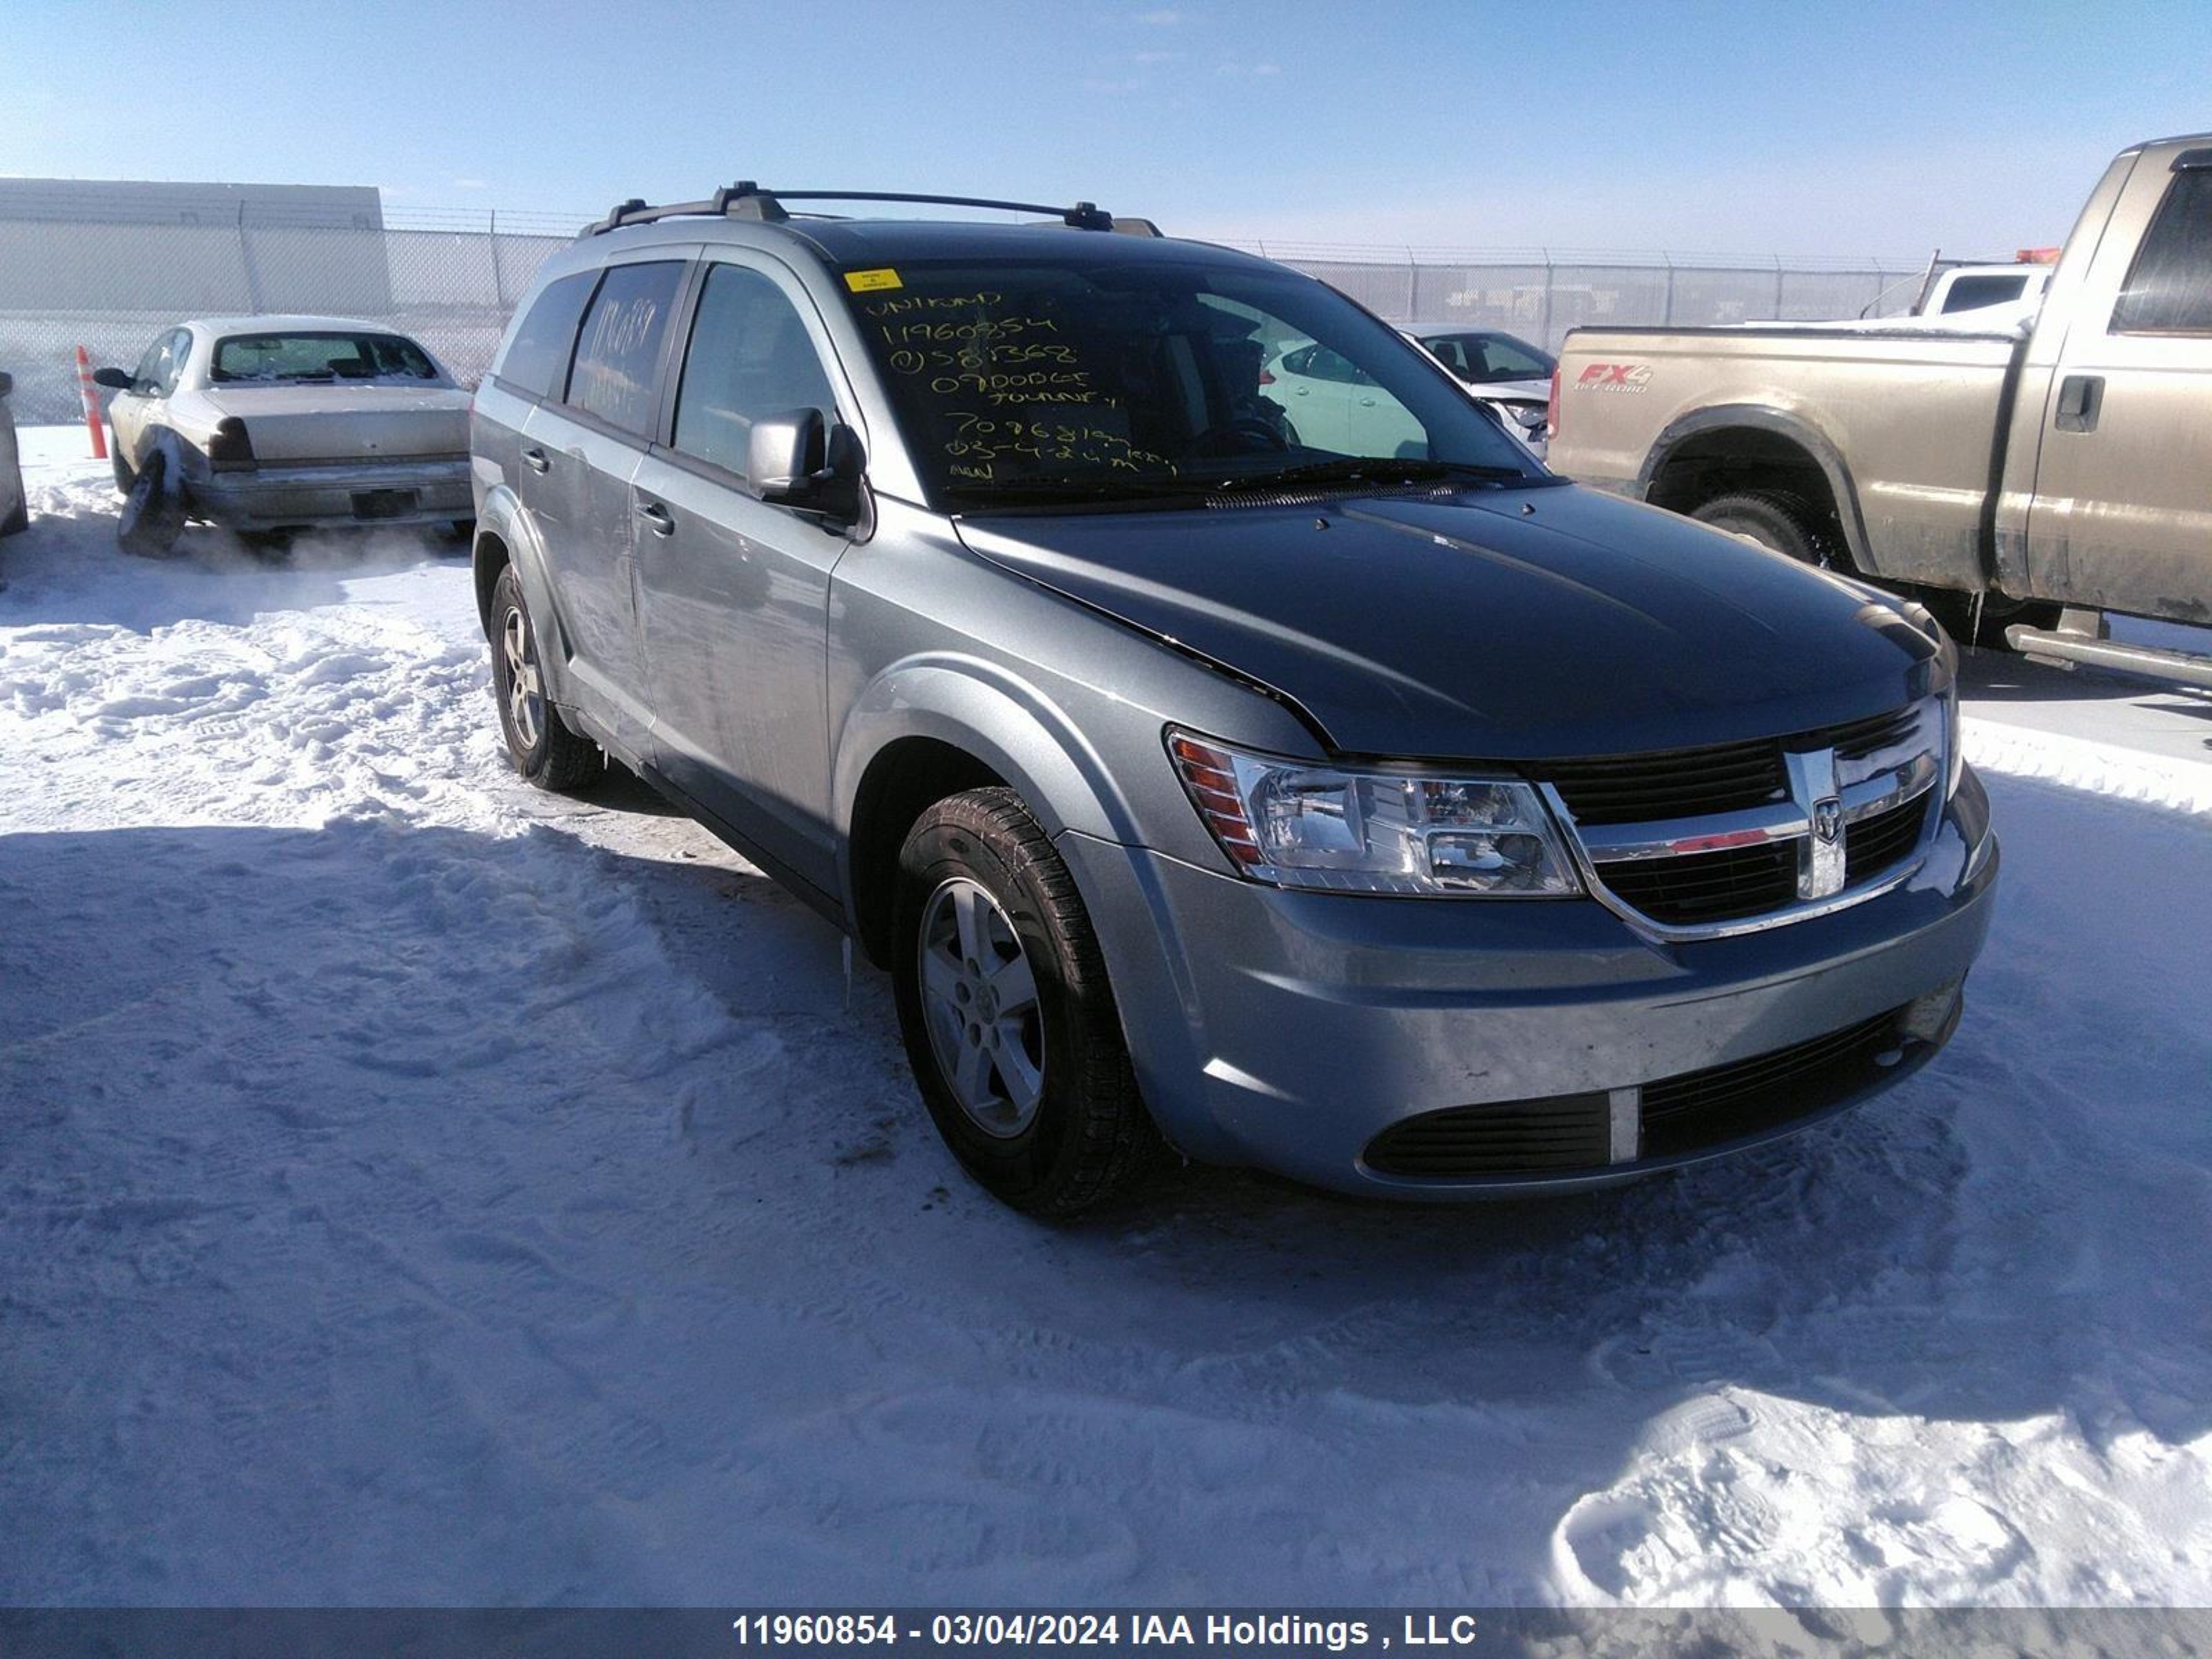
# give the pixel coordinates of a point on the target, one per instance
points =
(1330, 790)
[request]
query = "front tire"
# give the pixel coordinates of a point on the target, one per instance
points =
(542, 749)
(1009, 1020)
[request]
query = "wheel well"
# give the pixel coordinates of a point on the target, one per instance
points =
(1708, 465)
(902, 783)
(489, 557)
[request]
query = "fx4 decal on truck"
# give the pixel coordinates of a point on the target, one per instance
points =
(1614, 377)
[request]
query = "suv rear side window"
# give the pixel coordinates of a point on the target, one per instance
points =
(2169, 290)
(750, 357)
(537, 361)
(620, 347)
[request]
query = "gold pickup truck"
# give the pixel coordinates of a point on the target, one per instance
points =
(2035, 481)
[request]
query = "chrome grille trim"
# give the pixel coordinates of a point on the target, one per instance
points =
(1907, 744)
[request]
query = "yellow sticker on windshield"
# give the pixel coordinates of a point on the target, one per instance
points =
(861, 282)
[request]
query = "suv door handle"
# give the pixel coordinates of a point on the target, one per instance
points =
(2081, 400)
(536, 461)
(657, 515)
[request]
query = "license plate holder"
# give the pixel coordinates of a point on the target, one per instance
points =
(383, 503)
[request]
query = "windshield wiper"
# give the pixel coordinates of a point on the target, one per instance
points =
(1073, 488)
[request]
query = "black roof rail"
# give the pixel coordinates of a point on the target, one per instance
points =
(747, 200)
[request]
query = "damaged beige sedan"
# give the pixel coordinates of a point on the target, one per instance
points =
(272, 425)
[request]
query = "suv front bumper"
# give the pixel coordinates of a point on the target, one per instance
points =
(1287, 1030)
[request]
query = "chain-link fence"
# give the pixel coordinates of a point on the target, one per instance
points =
(446, 280)
(1539, 294)
(450, 281)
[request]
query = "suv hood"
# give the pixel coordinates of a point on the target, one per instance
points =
(1488, 624)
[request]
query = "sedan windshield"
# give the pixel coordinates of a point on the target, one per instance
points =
(1487, 359)
(320, 356)
(1035, 382)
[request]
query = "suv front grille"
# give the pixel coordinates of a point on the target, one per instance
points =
(1679, 784)
(1698, 887)
(1862, 738)
(1726, 833)
(1874, 844)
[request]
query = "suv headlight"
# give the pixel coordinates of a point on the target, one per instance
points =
(1372, 830)
(1954, 746)
(1945, 681)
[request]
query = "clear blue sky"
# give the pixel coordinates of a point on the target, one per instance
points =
(1837, 128)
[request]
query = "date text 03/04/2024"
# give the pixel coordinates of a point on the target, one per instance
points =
(1256, 1632)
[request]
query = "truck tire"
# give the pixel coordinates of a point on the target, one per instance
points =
(1772, 517)
(538, 742)
(1009, 1020)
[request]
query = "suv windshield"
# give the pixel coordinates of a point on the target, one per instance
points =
(1032, 382)
(320, 356)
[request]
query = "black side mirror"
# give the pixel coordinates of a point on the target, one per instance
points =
(799, 459)
(7, 383)
(115, 380)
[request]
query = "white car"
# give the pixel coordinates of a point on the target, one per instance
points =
(1332, 404)
(267, 425)
(1502, 370)
(15, 513)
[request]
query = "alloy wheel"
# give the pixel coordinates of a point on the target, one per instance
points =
(980, 1002)
(525, 695)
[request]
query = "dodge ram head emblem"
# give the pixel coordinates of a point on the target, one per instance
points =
(1828, 821)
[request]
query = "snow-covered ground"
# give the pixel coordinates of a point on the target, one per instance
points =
(413, 1188)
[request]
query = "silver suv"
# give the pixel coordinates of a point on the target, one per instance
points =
(1375, 808)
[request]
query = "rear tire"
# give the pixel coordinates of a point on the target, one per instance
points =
(1774, 519)
(1055, 1126)
(152, 519)
(542, 749)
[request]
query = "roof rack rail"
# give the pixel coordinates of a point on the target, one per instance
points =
(747, 200)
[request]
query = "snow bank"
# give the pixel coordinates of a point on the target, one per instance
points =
(2183, 785)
